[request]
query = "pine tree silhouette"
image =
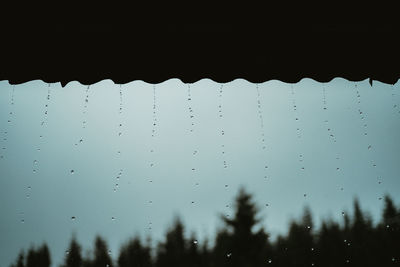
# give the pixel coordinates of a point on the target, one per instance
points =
(134, 254)
(239, 244)
(38, 257)
(73, 257)
(173, 251)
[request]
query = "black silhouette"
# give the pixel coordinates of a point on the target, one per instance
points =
(35, 257)
(244, 243)
(135, 254)
(73, 257)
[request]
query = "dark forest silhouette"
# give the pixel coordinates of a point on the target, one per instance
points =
(243, 242)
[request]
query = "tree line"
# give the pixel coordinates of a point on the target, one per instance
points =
(243, 242)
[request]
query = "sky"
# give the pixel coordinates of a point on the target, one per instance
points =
(134, 156)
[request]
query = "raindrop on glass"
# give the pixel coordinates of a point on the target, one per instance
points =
(72, 171)
(73, 218)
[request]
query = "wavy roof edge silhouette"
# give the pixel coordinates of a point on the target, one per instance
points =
(154, 45)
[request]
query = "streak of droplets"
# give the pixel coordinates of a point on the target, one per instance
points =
(396, 106)
(191, 130)
(153, 134)
(9, 122)
(329, 128)
(220, 115)
(84, 111)
(43, 123)
(363, 118)
(119, 130)
(298, 130)
(262, 135)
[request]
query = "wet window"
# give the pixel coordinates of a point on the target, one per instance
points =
(200, 174)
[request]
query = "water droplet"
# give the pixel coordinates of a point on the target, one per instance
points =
(312, 249)
(228, 255)
(337, 169)
(269, 261)
(393, 259)
(35, 161)
(267, 205)
(195, 242)
(305, 195)
(22, 221)
(113, 218)
(192, 202)
(343, 213)
(73, 218)
(72, 171)
(226, 185)
(369, 147)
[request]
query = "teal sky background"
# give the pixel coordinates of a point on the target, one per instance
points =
(156, 186)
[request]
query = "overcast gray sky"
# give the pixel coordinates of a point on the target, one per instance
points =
(192, 166)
